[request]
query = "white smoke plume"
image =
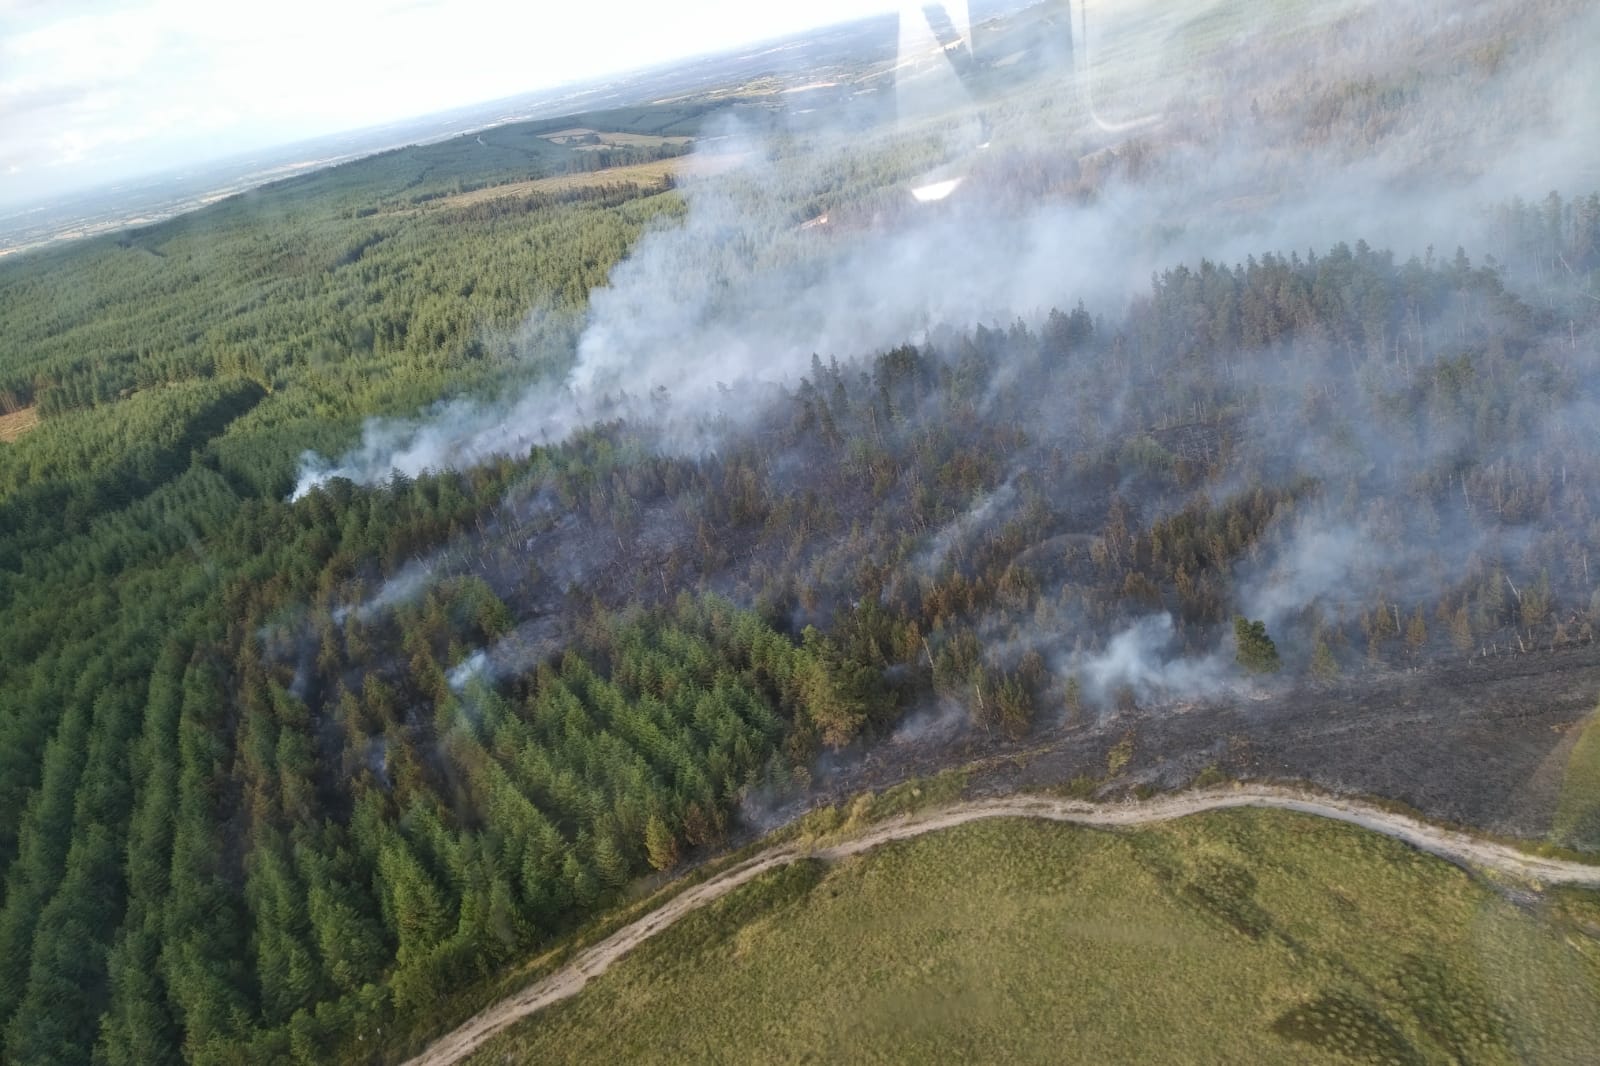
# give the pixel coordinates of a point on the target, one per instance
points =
(474, 667)
(979, 518)
(1141, 658)
(742, 292)
(513, 654)
(406, 585)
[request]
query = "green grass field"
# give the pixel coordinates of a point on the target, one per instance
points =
(1577, 821)
(1247, 936)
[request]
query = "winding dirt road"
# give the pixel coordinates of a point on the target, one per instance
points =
(1459, 848)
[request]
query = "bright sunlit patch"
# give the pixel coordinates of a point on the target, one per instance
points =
(928, 194)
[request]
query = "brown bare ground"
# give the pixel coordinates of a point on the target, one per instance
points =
(636, 174)
(613, 140)
(14, 425)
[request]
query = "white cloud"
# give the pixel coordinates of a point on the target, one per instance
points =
(77, 78)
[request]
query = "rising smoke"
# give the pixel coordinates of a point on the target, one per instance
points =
(742, 292)
(1279, 137)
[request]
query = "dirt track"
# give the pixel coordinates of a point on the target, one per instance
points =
(1459, 848)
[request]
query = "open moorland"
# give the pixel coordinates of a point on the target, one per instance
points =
(1251, 936)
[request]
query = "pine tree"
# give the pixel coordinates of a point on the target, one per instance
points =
(609, 862)
(1461, 630)
(417, 911)
(580, 880)
(660, 844)
(1416, 633)
(1324, 667)
(1255, 650)
(1072, 696)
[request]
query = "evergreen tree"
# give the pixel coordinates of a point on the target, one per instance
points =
(660, 843)
(1255, 650)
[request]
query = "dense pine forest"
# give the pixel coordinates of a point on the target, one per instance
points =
(280, 777)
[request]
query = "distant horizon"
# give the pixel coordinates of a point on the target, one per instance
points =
(271, 155)
(145, 89)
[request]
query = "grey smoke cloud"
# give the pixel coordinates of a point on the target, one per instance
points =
(512, 655)
(410, 582)
(1316, 562)
(1141, 658)
(740, 293)
(944, 720)
(475, 667)
(980, 517)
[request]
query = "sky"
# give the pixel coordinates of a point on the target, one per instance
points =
(94, 90)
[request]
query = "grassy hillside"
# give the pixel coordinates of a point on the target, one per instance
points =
(1240, 937)
(1577, 821)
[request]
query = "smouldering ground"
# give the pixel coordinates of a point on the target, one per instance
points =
(1248, 936)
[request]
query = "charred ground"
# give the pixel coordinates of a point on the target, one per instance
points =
(1484, 744)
